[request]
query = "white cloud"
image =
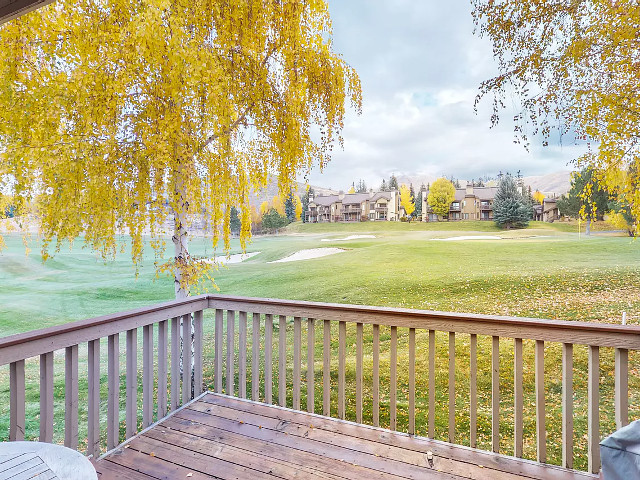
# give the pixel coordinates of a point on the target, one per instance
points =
(420, 67)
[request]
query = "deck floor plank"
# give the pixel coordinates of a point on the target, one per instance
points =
(219, 437)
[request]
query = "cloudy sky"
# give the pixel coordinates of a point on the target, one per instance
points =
(420, 65)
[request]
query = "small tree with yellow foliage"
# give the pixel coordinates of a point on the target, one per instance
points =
(406, 200)
(441, 194)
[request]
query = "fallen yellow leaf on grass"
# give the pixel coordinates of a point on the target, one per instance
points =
(152, 454)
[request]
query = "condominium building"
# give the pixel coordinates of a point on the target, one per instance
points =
(355, 207)
(470, 203)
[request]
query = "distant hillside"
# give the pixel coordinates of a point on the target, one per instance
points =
(553, 183)
(271, 191)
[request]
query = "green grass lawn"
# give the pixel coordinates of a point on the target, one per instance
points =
(544, 271)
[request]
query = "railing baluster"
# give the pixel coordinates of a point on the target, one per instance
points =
(17, 400)
(518, 399)
(268, 359)
(326, 369)
(393, 378)
(495, 394)
(473, 390)
(342, 338)
(131, 407)
(311, 356)
(46, 397)
(93, 398)
(541, 435)
(147, 375)
(198, 339)
(432, 383)
(219, 328)
(255, 358)
(412, 381)
(376, 375)
(70, 397)
(452, 387)
(113, 390)
(297, 348)
(187, 358)
(242, 356)
(567, 405)
(231, 370)
(359, 372)
(282, 361)
(621, 396)
(175, 363)
(163, 343)
(593, 410)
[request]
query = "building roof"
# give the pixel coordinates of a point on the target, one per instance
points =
(355, 198)
(325, 200)
(378, 195)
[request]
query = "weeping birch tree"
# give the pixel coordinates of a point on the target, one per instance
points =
(118, 114)
(575, 66)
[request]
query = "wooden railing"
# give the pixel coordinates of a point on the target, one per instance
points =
(241, 363)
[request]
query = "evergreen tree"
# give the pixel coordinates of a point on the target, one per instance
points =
(510, 208)
(234, 221)
(418, 211)
(362, 187)
(383, 187)
(569, 205)
(305, 203)
(290, 208)
(393, 183)
(273, 221)
(412, 194)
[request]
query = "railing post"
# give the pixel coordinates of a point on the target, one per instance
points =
(473, 390)
(113, 394)
(187, 358)
(147, 375)
(311, 355)
(242, 356)
(376, 375)
(495, 394)
(70, 397)
(198, 340)
(175, 363)
(621, 395)
(17, 401)
(268, 359)
(342, 338)
(219, 332)
(46, 397)
(567, 405)
(326, 369)
(163, 342)
(412, 381)
(297, 348)
(541, 434)
(359, 332)
(93, 400)
(282, 361)
(432, 383)
(131, 407)
(518, 399)
(452, 387)
(593, 410)
(255, 358)
(231, 370)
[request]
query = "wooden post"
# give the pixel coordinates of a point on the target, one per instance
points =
(70, 397)
(376, 375)
(326, 369)
(473, 390)
(541, 434)
(175, 363)
(593, 410)
(147, 374)
(412, 381)
(297, 349)
(518, 399)
(359, 328)
(567, 405)
(218, 345)
(17, 400)
(187, 359)
(242, 356)
(621, 396)
(311, 347)
(282, 363)
(198, 340)
(131, 407)
(432, 383)
(495, 394)
(342, 338)
(231, 370)
(46, 397)
(113, 389)
(452, 387)
(268, 359)
(255, 358)
(93, 398)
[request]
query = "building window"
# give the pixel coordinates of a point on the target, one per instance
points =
(466, 216)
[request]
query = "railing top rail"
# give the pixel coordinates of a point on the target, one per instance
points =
(36, 342)
(567, 331)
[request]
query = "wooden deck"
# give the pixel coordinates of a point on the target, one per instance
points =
(217, 436)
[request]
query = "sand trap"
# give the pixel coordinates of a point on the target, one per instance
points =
(310, 253)
(469, 237)
(235, 258)
(350, 237)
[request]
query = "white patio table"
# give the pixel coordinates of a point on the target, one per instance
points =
(43, 461)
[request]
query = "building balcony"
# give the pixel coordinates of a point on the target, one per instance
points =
(217, 420)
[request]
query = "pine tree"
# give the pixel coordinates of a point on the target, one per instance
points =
(418, 211)
(383, 187)
(393, 183)
(412, 194)
(234, 221)
(510, 208)
(290, 208)
(305, 203)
